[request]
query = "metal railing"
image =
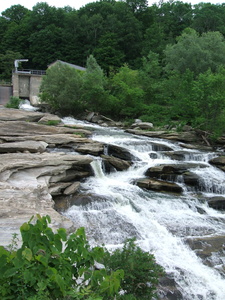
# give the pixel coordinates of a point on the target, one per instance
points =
(33, 72)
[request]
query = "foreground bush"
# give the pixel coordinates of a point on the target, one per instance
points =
(141, 272)
(53, 266)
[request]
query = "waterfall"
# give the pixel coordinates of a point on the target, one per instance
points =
(161, 223)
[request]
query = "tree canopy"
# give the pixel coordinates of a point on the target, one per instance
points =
(155, 62)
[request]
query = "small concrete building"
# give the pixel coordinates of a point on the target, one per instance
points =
(26, 84)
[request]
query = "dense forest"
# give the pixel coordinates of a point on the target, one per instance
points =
(163, 63)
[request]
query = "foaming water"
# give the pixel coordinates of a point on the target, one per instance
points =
(160, 222)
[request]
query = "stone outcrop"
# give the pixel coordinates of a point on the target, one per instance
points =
(159, 185)
(217, 202)
(219, 162)
(29, 182)
(30, 177)
(120, 153)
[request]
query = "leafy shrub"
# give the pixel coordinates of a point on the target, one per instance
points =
(54, 266)
(14, 102)
(141, 272)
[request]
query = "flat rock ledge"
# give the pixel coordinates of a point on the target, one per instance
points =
(31, 176)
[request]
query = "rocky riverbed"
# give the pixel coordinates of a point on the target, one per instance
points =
(35, 178)
(42, 166)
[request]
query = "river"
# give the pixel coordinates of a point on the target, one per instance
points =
(161, 222)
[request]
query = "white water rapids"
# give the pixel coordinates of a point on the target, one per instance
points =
(160, 222)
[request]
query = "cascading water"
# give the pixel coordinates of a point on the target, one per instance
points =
(160, 222)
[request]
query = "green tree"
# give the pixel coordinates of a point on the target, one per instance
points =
(126, 87)
(178, 90)
(197, 53)
(93, 89)
(61, 89)
(137, 5)
(45, 46)
(209, 94)
(16, 13)
(150, 76)
(208, 17)
(108, 54)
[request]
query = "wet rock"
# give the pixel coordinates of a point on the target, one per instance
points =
(72, 189)
(177, 155)
(171, 170)
(191, 179)
(167, 289)
(211, 250)
(62, 203)
(121, 153)
(160, 147)
(217, 203)
(159, 185)
(219, 162)
(111, 163)
(94, 148)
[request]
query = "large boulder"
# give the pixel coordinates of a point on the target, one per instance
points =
(111, 162)
(121, 153)
(94, 148)
(218, 162)
(217, 202)
(159, 185)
